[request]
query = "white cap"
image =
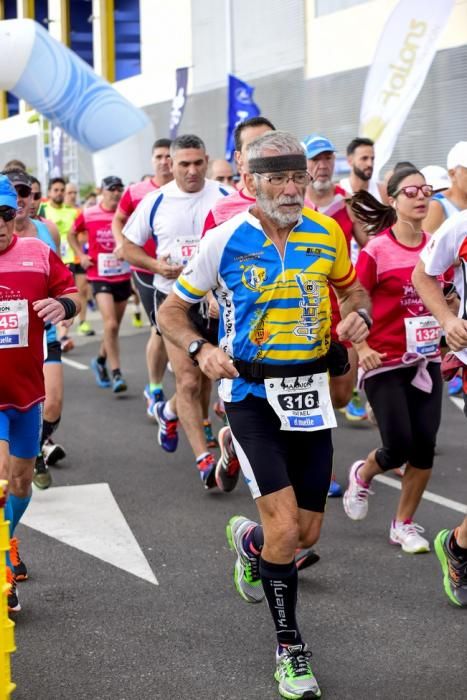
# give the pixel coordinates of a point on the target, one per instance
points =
(437, 177)
(457, 155)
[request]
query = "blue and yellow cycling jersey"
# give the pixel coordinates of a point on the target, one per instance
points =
(274, 309)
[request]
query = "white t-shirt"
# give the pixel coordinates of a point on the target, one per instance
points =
(372, 188)
(448, 246)
(175, 219)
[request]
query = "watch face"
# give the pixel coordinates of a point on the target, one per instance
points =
(193, 347)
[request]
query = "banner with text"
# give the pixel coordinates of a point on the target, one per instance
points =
(241, 107)
(403, 57)
(179, 101)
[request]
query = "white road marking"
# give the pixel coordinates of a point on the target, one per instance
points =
(88, 517)
(73, 363)
(428, 495)
(458, 402)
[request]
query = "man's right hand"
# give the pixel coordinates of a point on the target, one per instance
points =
(85, 261)
(118, 251)
(215, 363)
(456, 333)
(164, 268)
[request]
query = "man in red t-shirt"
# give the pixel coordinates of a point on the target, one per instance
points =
(225, 209)
(330, 199)
(36, 288)
(156, 356)
(108, 275)
(237, 202)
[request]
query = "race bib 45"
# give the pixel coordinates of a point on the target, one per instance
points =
(14, 324)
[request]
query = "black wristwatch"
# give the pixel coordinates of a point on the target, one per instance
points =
(366, 317)
(194, 348)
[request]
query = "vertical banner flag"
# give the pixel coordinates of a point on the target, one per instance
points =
(241, 107)
(56, 151)
(179, 101)
(403, 57)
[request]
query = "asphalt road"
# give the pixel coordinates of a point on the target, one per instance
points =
(376, 619)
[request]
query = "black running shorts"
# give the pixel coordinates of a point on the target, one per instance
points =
(145, 289)
(271, 458)
(121, 291)
(76, 269)
(208, 328)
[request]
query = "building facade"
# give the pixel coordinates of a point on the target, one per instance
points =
(307, 60)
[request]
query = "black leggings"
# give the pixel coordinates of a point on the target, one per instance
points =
(408, 418)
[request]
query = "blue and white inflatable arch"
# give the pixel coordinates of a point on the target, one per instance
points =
(51, 78)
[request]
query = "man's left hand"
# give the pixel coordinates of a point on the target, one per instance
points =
(49, 310)
(352, 328)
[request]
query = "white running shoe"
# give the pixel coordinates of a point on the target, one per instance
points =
(407, 534)
(52, 452)
(356, 496)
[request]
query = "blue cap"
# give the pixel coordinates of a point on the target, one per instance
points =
(7, 193)
(314, 145)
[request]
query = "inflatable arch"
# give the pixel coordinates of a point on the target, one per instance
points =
(51, 78)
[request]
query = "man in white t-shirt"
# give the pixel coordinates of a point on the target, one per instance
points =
(174, 215)
(453, 198)
(448, 247)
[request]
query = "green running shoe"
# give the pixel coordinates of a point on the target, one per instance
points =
(454, 571)
(85, 329)
(211, 441)
(293, 673)
(246, 571)
(42, 477)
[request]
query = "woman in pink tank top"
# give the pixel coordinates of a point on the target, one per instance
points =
(399, 364)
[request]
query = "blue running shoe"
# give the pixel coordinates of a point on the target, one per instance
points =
(101, 374)
(455, 386)
(167, 435)
(152, 397)
(118, 384)
(207, 471)
(305, 558)
(335, 489)
(355, 409)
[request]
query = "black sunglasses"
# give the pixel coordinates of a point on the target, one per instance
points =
(23, 190)
(36, 195)
(115, 188)
(7, 213)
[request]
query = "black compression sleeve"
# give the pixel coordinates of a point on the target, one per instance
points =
(69, 306)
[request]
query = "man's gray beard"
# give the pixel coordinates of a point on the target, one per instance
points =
(321, 186)
(282, 220)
